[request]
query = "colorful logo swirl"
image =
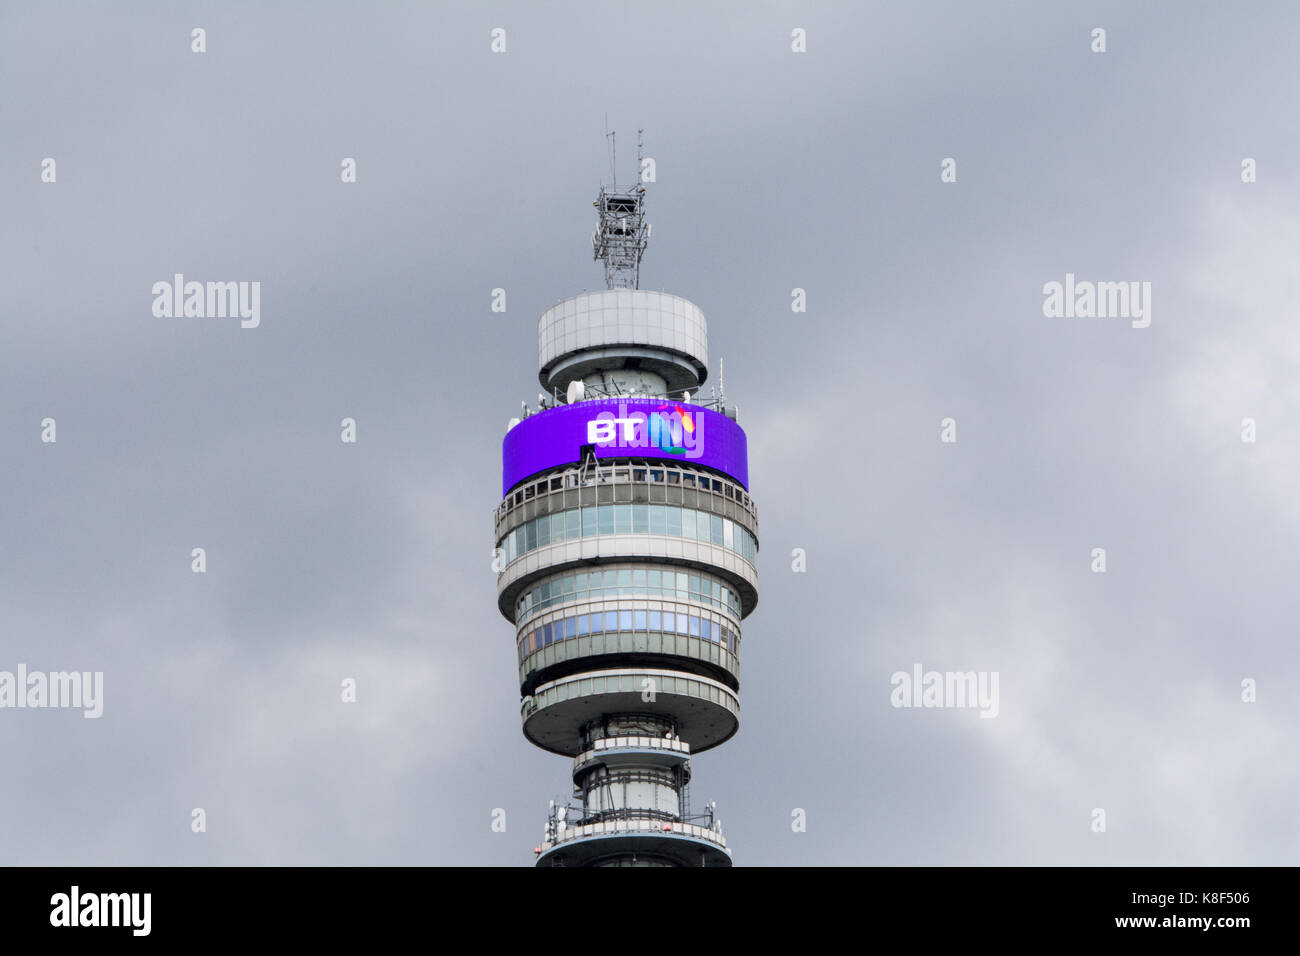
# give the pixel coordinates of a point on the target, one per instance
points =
(662, 428)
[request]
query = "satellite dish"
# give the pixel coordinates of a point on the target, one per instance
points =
(512, 423)
(686, 396)
(576, 391)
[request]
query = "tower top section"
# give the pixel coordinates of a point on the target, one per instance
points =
(621, 235)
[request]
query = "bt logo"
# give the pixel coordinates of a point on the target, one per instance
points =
(666, 429)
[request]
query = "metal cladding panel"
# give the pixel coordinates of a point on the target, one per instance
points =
(640, 428)
(622, 317)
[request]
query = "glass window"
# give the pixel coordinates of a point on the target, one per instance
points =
(622, 519)
(658, 521)
(530, 535)
(715, 528)
(625, 620)
(611, 620)
(606, 516)
(728, 538)
(653, 579)
(695, 626)
(638, 620)
(654, 624)
(597, 623)
(670, 624)
(695, 586)
(688, 522)
(624, 577)
(582, 624)
(546, 633)
(640, 519)
(543, 531)
(580, 581)
(571, 627)
(588, 522)
(568, 584)
(610, 578)
(557, 526)
(674, 515)
(572, 524)
(681, 623)
(682, 580)
(638, 579)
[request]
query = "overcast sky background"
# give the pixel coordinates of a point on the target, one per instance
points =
(775, 171)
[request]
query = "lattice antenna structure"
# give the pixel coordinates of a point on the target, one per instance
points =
(621, 234)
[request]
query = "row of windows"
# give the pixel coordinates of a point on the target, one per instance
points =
(623, 472)
(665, 622)
(629, 519)
(626, 582)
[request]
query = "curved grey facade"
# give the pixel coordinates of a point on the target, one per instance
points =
(598, 331)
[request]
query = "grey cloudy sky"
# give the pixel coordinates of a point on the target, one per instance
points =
(775, 170)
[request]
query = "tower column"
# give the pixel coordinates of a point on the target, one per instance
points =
(627, 545)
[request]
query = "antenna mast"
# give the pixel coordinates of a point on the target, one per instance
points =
(622, 233)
